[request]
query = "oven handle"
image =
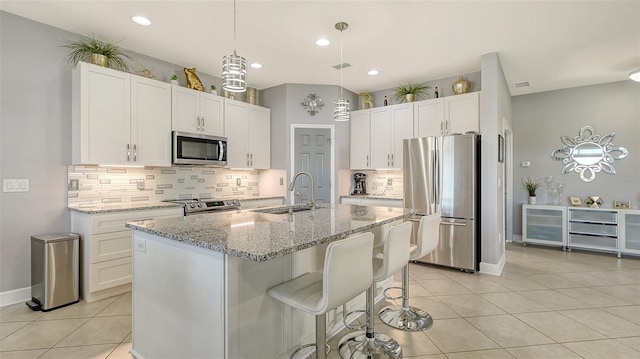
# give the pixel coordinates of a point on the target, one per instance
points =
(221, 147)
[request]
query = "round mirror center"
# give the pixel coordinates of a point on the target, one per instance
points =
(587, 153)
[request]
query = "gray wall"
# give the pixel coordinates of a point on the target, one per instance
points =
(539, 121)
(35, 135)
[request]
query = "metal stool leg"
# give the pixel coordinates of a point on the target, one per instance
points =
(406, 317)
(321, 338)
(368, 344)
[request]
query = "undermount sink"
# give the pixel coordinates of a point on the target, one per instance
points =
(283, 209)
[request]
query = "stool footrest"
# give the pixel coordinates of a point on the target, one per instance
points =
(347, 322)
(358, 346)
(295, 353)
(388, 296)
(408, 319)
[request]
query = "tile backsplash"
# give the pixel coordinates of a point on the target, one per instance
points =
(115, 185)
(378, 183)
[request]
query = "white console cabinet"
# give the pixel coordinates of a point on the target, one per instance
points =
(591, 228)
(544, 225)
(629, 231)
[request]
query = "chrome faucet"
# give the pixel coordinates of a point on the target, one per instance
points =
(292, 185)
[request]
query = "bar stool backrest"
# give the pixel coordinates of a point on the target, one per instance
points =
(428, 235)
(348, 270)
(396, 252)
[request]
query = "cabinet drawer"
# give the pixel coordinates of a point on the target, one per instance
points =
(593, 216)
(115, 222)
(593, 228)
(593, 241)
(110, 274)
(108, 246)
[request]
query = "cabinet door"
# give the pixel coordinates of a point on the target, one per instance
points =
(150, 122)
(360, 139)
(105, 116)
(631, 232)
(429, 118)
(211, 112)
(259, 137)
(185, 114)
(236, 124)
(402, 120)
(462, 113)
(381, 137)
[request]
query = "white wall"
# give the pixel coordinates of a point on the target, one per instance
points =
(539, 121)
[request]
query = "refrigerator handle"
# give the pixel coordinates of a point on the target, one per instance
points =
(433, 177)
(438, 177)
(453, 223)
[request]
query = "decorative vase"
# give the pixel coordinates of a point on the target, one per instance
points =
(532, 199)
(410, 97)
(100, 60)
(174, 82)
(252, 95)
(461, 86)
(215, 92)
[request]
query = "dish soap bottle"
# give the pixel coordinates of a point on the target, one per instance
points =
(435, 94)
(385, 100)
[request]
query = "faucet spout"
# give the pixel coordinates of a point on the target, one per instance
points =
(292, 185)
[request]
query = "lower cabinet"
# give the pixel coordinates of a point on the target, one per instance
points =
(544, 225)
(105, 249)
(379, 202)
(630, 231)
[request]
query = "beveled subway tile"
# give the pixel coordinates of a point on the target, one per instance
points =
(603, 322)
(630, 312)
(600, 349)
(543, 352)
(99, 330)
(553, 281)
(508, 331)
(457, 335)
(593, 297)
(559, 327)
(554, 300)
(80, 352)
(40, 334)
(512, 302)
(470, 305)
(482, 354)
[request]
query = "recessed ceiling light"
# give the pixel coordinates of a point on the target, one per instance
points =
(635, 75)
(256, 65)
(373, 72)
(323, 42)
(141, 20)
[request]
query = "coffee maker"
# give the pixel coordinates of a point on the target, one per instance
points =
(360, 183)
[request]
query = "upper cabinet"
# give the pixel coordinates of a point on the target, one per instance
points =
(447, 115)
(360, 140)
(390, 125)
(119, 118)
(248, 132)
(197, 112)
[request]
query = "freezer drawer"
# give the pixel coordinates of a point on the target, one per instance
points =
(457, 245)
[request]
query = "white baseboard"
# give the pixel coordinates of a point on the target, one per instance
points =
(15, 296)
(493, 269)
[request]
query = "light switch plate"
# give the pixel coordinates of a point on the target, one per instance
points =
(389, 181)
(525, 164)
(238, 182)
(140, 184)
(15, 185)
(73, 185)
(141, 245)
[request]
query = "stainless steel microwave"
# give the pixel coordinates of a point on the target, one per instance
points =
(199, 149)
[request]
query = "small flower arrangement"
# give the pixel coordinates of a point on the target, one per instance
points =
(174, 77)
(213, 87)
(531, 185)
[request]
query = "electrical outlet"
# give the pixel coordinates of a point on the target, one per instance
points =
(389, 181)
(281, 181)
(140, 184)
(141, 245)
(73, 184)
(238, 182)
(525, 164)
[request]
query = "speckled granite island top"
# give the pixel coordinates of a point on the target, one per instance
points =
(260, 237)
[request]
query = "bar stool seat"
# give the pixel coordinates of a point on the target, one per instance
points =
(347, 272)
(368, 344)
(406, 317)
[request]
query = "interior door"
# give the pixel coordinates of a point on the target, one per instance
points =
(313, 154)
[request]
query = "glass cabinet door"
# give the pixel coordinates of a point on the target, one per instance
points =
(632, 231)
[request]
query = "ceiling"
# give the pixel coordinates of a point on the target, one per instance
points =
(550, 44)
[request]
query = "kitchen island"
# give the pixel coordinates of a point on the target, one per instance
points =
(199, 282)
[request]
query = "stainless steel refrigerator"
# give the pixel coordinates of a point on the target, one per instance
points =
(441, 175)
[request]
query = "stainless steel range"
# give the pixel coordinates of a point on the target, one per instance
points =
(197, 206)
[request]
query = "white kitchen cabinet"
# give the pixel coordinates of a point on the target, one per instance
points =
(196, 111)
(260, 203)
(119, 118)
(248, 132)
(447, 115)
(360, 145)
(105, 247)
(544, 225)
(390, 125)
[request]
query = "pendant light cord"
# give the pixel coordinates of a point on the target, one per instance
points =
(341, 63)
(234, 27)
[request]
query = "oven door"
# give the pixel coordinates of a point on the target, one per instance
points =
(198, 149)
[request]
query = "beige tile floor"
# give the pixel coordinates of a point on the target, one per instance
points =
(547, 304)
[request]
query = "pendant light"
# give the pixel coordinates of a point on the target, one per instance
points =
(635, 75)
(234, 67)
(341, 105)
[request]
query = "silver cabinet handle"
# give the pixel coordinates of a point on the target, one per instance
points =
(392, 160)
(198, 125)
(367, 160)
(446, 126)
(442, 127)
(135, 153)
(453, 224)
(247, 159)
(128, 152)
(251, 157)
(202, 122)
(388, 159)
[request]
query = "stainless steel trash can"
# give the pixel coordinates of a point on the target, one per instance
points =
(54, 270)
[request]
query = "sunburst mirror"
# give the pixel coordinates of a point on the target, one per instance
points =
(588, 153)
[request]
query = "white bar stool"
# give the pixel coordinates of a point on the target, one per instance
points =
(406, 317)
(347, 273)
(368, 344)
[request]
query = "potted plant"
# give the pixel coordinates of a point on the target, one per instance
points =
(174, 79)
(532, 186)
(98, 51)
(410, 92)
(213, 90)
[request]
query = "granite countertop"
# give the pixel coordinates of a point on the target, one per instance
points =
(260, 236)
(98, 208)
